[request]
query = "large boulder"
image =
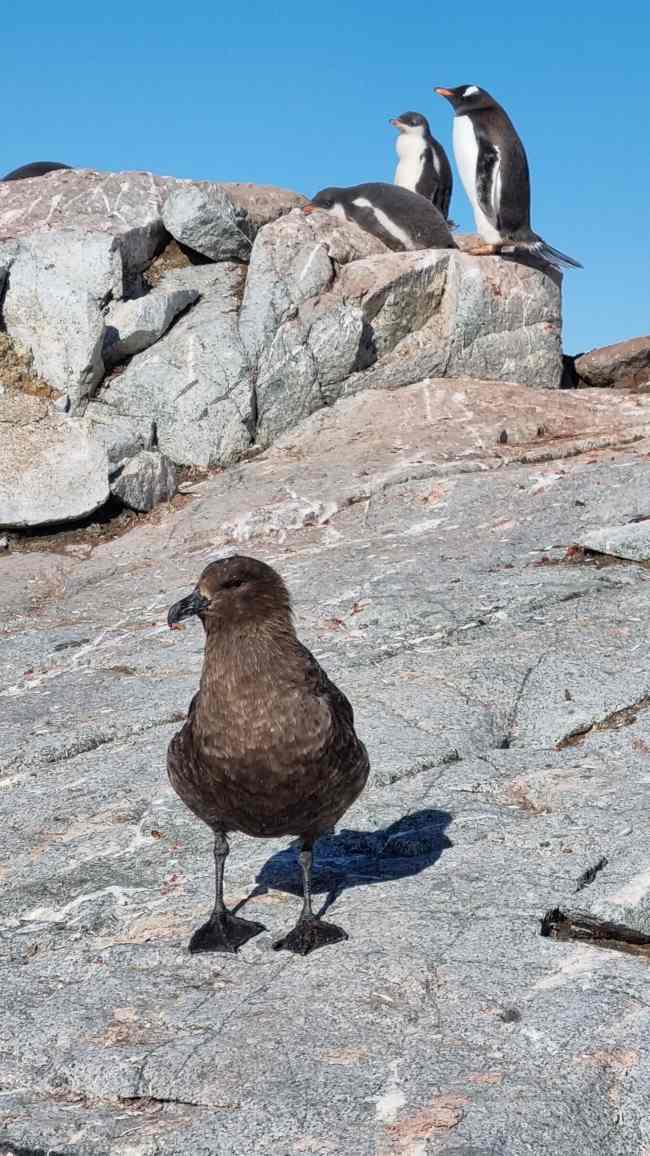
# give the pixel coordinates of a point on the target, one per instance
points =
(317, 326)
(446, 313)
(73, 248)
(59, 283)
(51, 470)
(220, 220)
(127, 206)
(625, 365)
(195, 382)
(206, 220)
(224, 354)
(295, 259)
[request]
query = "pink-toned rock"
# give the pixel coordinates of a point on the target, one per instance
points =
(625, 365)
(262, 203)
(125, 205)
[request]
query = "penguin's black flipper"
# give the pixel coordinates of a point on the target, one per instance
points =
(427, 184)
(503, 183)
(442, 198)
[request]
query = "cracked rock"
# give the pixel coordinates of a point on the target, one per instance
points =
(194, 383)
(134, 325)
(630, 541)
(205, 219)
(63, 471)
(145, 480)
(53, 305)
(122, 437)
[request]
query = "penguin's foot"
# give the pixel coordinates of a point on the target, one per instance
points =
(224, 932)
(309, 933)
(483, 249)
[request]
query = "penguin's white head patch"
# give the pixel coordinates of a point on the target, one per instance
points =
(471, 90)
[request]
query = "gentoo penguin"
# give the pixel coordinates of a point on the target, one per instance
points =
(423, 165)
(493, 167)
(398, 217)
(35, 169)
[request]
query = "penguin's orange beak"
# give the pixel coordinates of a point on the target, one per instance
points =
(443, 91)
(395, 122)
(308, 208)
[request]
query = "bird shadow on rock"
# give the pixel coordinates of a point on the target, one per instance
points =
(360, 858)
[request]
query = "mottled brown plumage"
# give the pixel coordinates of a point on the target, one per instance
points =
(269, 746)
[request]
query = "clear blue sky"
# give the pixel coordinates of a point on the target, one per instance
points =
(299, 94)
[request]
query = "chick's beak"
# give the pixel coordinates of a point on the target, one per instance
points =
(307, 209)
(394, 121)
(186, 607)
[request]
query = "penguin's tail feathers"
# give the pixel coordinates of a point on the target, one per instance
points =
(553, 256)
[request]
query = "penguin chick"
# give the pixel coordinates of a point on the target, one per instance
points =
(269, 747)
(493, 167)
(399, 217)
(35, 169)
(423, 165)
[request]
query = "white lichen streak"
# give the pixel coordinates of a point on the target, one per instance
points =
(309, 261)
(121, 896)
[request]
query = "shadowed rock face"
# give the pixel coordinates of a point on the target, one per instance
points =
(499, 680)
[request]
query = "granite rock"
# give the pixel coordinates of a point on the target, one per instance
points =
(126, 206)
(205, 219)
(145, 480)
(386, 319)
(631, 541)
(485, 670)
(625, 365)
(122, 437)
(50, 469)
(137, 323)
(58, 285)
(194, 383)
(261, 203)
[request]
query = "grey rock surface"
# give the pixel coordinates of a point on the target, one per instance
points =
(385, 319)
(53, 305)
(446, 313)
(427, 560)
(194, 383)
(325, 310)
(145, 480)
(134, 325)
(303, 368)
(205, 219)
(289, 264)
(50, 469)
(126, 206)
(631, 540)
(122, 437)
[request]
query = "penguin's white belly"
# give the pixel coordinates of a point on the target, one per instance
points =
(409, 165)
(466, 153)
